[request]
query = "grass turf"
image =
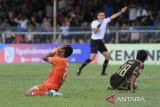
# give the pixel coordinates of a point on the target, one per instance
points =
(88, 90)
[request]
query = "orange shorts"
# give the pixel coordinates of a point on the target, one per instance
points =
(46, 87)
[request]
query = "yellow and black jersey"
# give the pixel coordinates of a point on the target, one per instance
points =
(129, 68)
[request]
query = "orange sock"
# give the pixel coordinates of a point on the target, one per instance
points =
(38, 93)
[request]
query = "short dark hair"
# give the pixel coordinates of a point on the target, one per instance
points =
(142, 55)
(68, 50)
(99, 11)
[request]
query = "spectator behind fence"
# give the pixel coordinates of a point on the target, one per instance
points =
(157, 36)
(141, 12)
(132, 13)
(29, 37)
(134, 36)
(46, 25)
(20, 13)
(65, 31)
(49, 10)
(109, 36)
(157, 20)
(108, 9)
(124, 36)
(22, 21)
(8, 37)
(148, 21)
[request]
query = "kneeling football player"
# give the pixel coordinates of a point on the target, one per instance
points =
(57, 57)
(126, 76)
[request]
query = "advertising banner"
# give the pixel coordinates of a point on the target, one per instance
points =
(119, 53)
(33, 53)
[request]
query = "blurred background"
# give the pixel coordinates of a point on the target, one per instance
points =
(68, 21)
(30, 29)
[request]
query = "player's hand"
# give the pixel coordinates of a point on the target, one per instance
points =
(60, 47)
(124, 9)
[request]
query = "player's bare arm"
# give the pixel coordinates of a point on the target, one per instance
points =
(123, 10)
(132, 84)
(48, 57)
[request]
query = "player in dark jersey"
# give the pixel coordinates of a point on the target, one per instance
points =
(125, 77)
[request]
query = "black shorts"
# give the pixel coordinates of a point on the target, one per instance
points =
(113, 81)
(118, 83)
(97, 45)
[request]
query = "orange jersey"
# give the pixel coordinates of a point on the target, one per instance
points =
(58, 72)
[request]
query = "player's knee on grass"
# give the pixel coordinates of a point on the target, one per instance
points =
(124, 86)
(29, 92)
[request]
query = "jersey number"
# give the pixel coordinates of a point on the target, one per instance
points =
(123, 70)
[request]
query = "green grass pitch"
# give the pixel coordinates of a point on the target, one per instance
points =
(88, 90)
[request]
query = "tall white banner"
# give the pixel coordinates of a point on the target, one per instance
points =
(119, 53)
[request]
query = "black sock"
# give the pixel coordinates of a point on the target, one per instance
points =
(104, 66)
(84, 64)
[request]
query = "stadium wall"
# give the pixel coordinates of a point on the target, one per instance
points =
(32, 53)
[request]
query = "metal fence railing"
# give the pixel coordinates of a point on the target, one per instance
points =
(82, 35)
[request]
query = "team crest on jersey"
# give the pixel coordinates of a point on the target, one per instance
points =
(9, 54)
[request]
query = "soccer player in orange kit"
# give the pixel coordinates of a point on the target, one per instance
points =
(57, 57)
